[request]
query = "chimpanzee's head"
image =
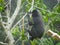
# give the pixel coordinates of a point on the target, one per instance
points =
(35, 13)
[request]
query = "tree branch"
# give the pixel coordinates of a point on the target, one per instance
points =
(53, 34)
(15, 13)
(9, 24)
(3, 43)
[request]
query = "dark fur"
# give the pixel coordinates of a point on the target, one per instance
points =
(37, 29)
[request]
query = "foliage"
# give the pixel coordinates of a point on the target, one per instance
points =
(1, 5)
(51, 19)
(16, 32)
(58, 43)
(19, 34)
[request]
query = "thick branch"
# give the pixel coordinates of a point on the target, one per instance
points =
(15, 13)
(3, 43)
(53, 34)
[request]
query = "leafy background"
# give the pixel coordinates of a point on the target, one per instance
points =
(50, 11)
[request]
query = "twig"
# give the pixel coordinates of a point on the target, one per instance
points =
(18, 21)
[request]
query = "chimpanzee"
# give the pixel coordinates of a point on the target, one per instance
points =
(37, 29)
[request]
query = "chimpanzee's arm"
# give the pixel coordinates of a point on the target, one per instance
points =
(29, 20)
